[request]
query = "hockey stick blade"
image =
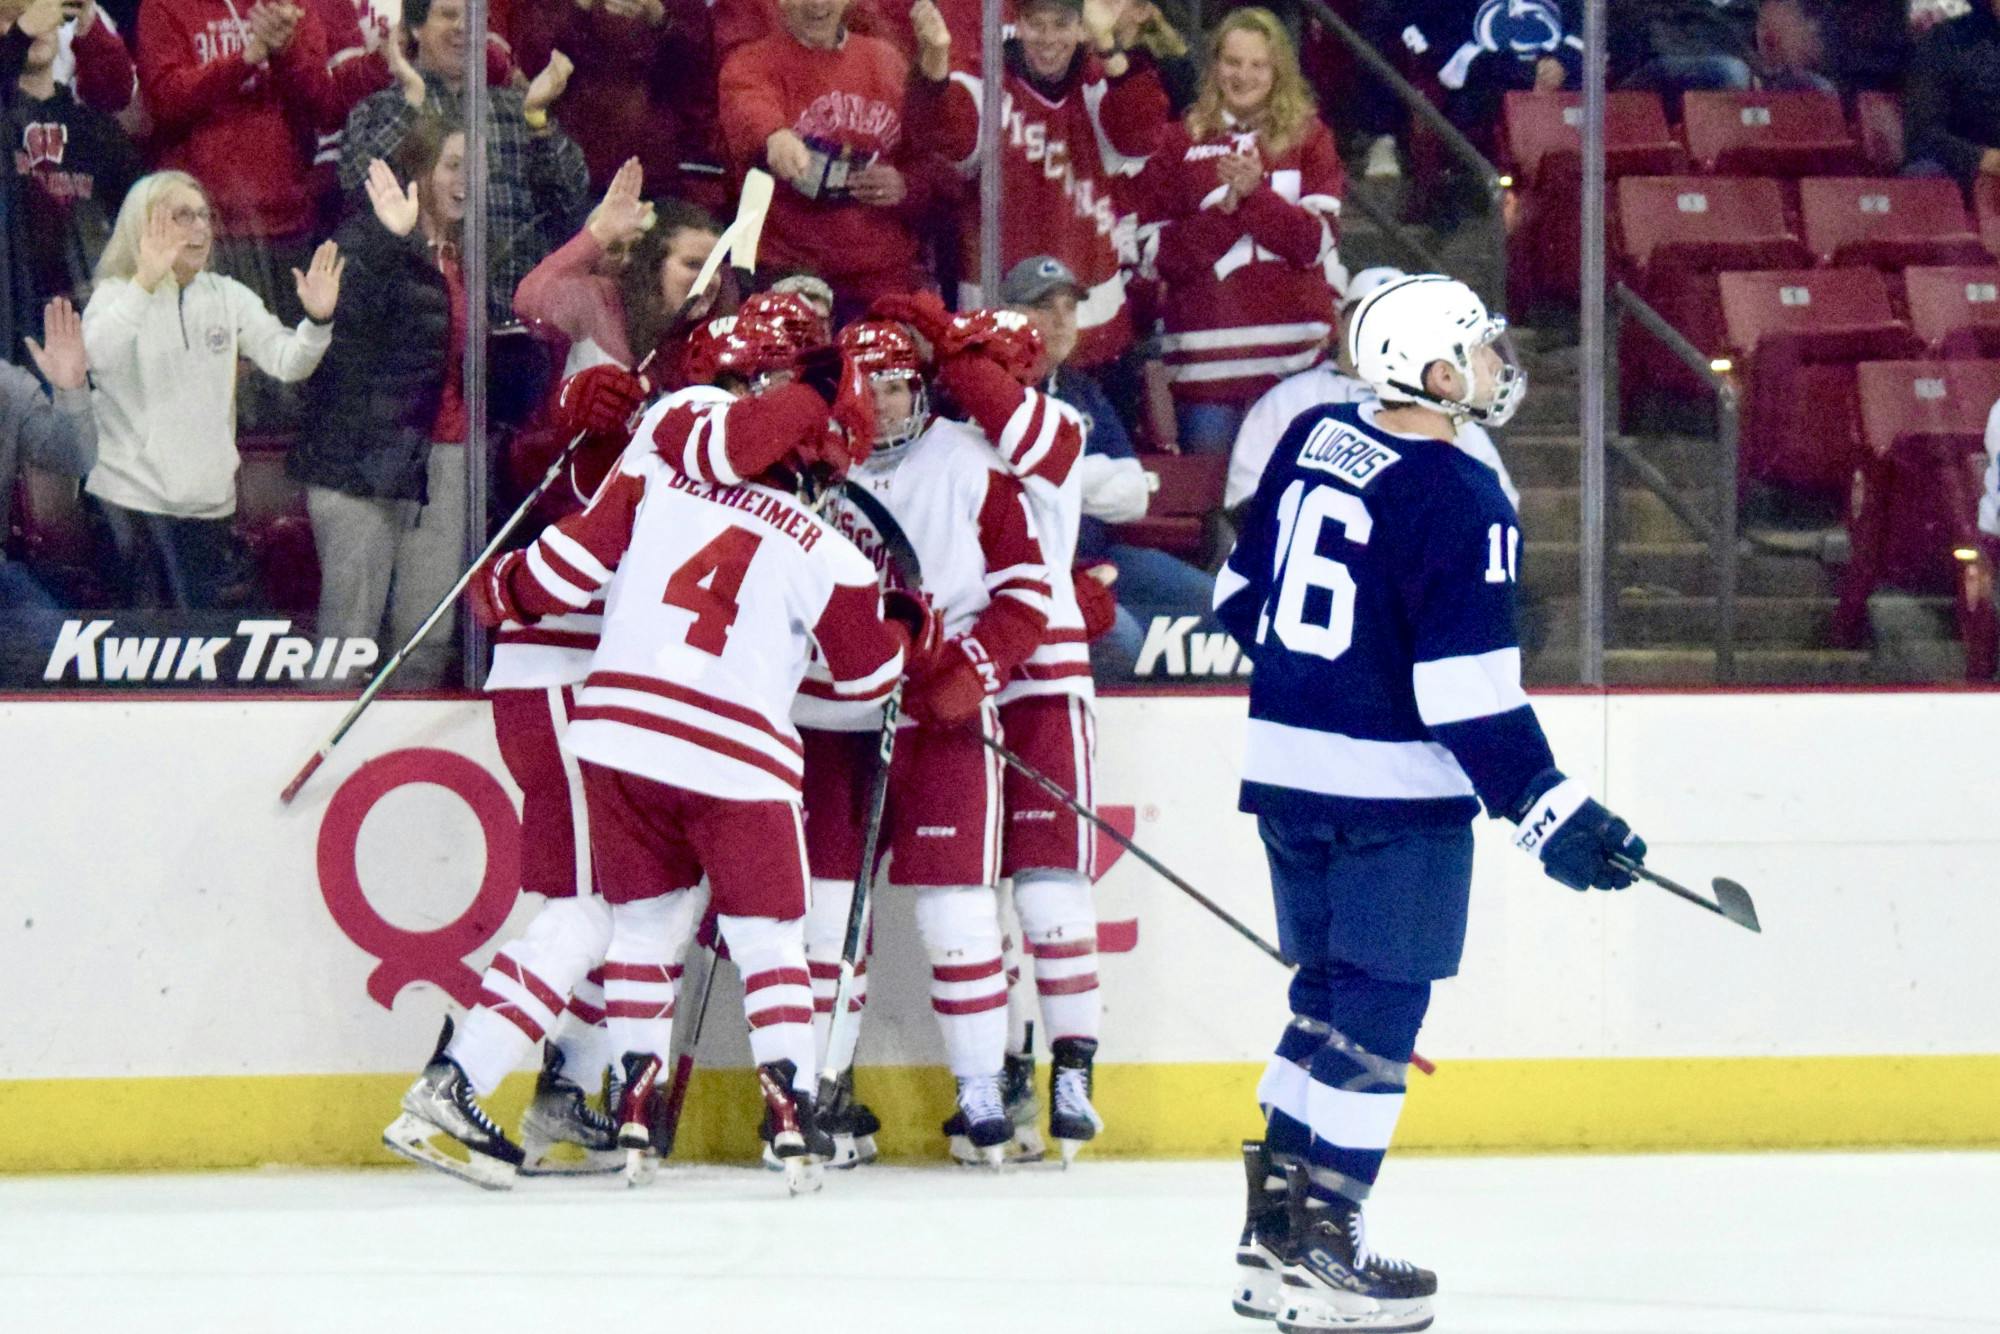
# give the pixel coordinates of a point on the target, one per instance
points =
(739, 240)
(1731, 901)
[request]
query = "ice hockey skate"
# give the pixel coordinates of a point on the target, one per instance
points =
(561, 1133)
(791, 1129)
(1333, 1281)
(1260, 1252)
(440, 1106)
(979, 1130)
(1073, 1122)
(636, 1095)
(851, 1125)
(1024, 1109)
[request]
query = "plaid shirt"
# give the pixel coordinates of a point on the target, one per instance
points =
(538, 187)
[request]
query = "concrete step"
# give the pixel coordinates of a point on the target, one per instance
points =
(1550, 569)
(1639, 515)
(1691, 667)
(1643, 620)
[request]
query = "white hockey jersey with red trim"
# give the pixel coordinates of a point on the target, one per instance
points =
(556, 650)
(718, 597)
(974, 533)
(1036, 446)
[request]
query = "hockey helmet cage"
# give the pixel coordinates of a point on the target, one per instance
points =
(886, 350)
(1402, 327)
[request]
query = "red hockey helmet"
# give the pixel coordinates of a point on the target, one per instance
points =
(735, 345)
(789, 313)
(886, 350)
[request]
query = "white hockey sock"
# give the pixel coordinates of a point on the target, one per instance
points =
(641, 969)
(825, 934)
(582, 1035)
(1021, 1011)
(527, 986)
(1060, 924)
(960, 927)
(777, 991)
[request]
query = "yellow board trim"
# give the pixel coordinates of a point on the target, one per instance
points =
(1154, 1111)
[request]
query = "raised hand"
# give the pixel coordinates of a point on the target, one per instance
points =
(406, 75)
(40, 18)
(319, 285)
(549, 84)
(933, 39)
(60, 356)
(623, 215)
(395, 207)
(159, 242)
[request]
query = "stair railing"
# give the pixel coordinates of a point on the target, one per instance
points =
(1720, 530)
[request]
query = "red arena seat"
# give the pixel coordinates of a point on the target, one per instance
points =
(1769, 134)
(1187, 488)
(1956, 311)
(1798, 335)
(1912, 520)
(1675, 233)
(1889, 223)
(1986, 207)
(1543, 138)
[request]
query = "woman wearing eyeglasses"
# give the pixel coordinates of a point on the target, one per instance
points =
(164, 334)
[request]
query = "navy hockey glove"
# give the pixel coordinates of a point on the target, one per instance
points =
(1574, 835)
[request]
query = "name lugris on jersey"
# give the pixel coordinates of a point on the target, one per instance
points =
(1374, 588)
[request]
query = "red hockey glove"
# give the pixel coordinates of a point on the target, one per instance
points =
(1095, 599)
(913, 611)
(599, 400)
(1005, 337)
(490, 593)
(854, 413)
(951, 689)
(923, 312)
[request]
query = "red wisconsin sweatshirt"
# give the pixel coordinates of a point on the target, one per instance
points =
(245, 132)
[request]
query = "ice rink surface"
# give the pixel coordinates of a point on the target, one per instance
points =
(1804, 1244)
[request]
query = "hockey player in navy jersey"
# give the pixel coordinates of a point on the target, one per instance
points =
(1373, 587)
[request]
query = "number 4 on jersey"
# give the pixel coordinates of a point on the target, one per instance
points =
(707, 585)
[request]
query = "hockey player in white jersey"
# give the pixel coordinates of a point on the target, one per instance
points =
(1373, 587)
(549, 981)
(988, 362)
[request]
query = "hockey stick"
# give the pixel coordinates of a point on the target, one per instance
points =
(738, 242)
(1731, 901)
(683, 1073)
(1062, 794)
(903, 560)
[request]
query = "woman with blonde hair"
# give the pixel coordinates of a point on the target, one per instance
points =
(1238, 208)
(163, 335)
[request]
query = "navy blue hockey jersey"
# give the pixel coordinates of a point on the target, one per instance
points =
(1373, 586)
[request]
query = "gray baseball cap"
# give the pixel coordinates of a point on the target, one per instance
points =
(1034, 278)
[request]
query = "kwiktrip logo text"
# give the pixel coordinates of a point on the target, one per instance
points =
(262, 651)
(1188, 646)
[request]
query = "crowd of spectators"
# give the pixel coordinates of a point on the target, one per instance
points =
(194, 176)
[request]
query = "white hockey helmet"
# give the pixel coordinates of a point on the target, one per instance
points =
(1402, 327)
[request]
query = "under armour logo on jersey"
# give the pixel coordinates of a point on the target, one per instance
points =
(43, 144)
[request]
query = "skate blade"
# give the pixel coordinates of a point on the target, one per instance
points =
(410, 1137)
(641, 1167)
(563, 1158)
(865, 1151)
(1069, 1148)
(846, 1154)
(1317, 1321)
(1027, 1146)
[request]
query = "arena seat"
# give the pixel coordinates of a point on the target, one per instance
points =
(1769, 134)
(1797, 335)
(1889, 223)
(1956, 310)
(1543, 138)
(1986, 208)
(272, 524)
(1187, 488)
(1675, 233)
(1878, 120)
(1912, 521)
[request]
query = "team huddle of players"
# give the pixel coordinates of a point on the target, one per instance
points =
(689, 685)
